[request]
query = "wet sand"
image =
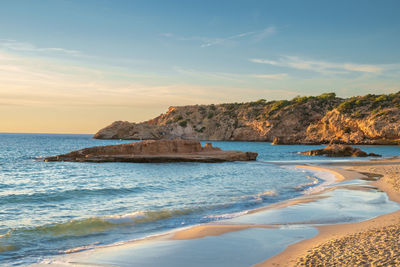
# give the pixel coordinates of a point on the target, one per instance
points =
(201, 231)
(374, 242)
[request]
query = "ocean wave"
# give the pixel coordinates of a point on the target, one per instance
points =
(260, 197)
(73, 227)
(65, 195)
(94, 225)
(6, 248)
(2, 186)
(82, 248)
(269, 193)
(6, 234)
(224, 216)
(326, 177)
(147, 216)
(313, 181)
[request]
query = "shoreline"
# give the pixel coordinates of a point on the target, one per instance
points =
(219, 228)
(301, 252)
(230, 227)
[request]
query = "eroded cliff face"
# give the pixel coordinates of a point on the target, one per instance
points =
(323, 119)
(361, 120)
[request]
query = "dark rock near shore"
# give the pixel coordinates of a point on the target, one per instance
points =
(155, 151)
(339, 151)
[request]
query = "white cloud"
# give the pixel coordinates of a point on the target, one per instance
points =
(323, 67)
(212, 41)
(265, 33)
(216, 41)
(28, 47)
(47, 83)
(278, 76)
(166, 34)
(209, 75)
(264, 61)
(362, 68)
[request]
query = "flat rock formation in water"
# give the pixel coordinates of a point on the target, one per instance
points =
(339, 151)
(370, 119)
(153, 151)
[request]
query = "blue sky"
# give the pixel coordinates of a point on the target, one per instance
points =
(67, 61)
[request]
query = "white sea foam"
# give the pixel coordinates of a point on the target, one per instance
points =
(261, 196)
(146, 216)
(268, 193)
(83, 248)
(327, 177)
(308, 161)
(226, 215)
(313, 181)
(125, 218)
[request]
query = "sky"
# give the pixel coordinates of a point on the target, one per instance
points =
(75, 66)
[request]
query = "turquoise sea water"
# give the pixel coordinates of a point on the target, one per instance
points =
(47, 208)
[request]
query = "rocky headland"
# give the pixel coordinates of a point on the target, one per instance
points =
(155, 151)
(370, 119)
(339, 151)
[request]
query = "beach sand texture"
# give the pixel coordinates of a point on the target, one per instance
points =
(377, 247)
(375, 242)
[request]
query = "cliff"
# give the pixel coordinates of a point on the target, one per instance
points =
(155, 151)
(370, 119)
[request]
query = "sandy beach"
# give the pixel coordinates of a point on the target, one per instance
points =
(374, 242)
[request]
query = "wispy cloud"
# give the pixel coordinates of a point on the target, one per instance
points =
(218, 41)
(277, 76)
(323, 67)
(256, 36)
(47, 83)
(28, 47)
(209, 75)
(265, 33)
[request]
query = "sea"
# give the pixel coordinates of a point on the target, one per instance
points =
(52, 208)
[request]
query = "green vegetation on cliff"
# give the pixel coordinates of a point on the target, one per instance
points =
(370, 119)
(361, 106)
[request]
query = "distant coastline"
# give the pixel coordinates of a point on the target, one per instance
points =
(323, 119)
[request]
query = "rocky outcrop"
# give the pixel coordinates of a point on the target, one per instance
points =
(339, 151)
(151, 151)
(371, 119)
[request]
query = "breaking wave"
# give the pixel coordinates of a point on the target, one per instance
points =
(94, 225)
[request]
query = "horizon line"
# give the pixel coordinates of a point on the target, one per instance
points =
(45, 133)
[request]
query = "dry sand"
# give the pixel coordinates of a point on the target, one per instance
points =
(375, 242)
